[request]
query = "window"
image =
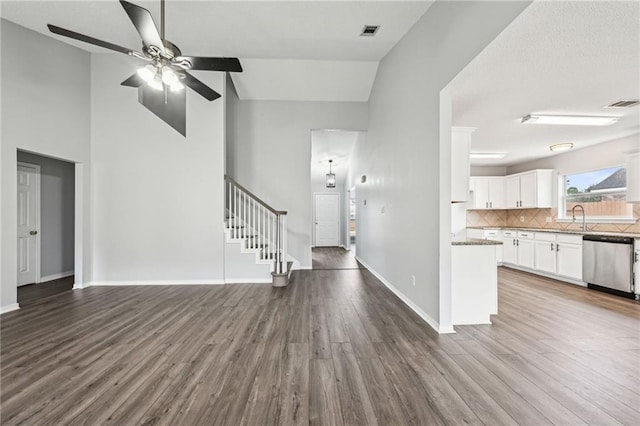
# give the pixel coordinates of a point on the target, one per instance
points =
(602, 193)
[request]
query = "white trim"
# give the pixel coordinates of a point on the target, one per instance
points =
(80, 286)
(248, 281)
(38, 253)
(301, 268)
(150, 282)
(56, 276)
(9, 308)
(422, 314)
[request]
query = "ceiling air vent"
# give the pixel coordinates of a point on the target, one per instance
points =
(624, 103)
(369, 30)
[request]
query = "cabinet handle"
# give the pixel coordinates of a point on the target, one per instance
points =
(486, 205)
(517, 242)
(551, 246)
(557, 247)
(513, 242)
(491, 204)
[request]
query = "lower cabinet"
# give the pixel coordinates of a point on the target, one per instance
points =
(509, 248)
(545, 252)
(569, 251)
(526, 254)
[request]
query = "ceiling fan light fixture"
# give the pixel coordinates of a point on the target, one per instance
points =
(156, 83)
(147, 73)
(169, 76)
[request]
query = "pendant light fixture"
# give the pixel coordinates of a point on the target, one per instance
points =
(331, 177)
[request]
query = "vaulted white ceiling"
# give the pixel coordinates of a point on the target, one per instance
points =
(556, 57)
(303, 50)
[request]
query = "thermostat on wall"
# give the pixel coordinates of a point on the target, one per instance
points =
(363, 178)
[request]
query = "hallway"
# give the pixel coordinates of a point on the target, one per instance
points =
(333, 258)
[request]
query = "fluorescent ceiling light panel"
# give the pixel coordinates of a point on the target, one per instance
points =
(571, 120)
(487, 155)
(561, 147)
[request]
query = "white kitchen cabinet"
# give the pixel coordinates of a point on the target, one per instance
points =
(532, 189)
(633, 178)
(569, 256)
(488, 234)
(545, 252)
(525, 245)
(509, 248)
(488, 192)
(460, 143)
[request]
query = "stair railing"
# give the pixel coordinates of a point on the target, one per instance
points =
(256, 222)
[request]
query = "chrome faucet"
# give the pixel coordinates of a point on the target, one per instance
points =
(584, 218)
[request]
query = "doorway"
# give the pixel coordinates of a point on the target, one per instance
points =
(351, 236)
(327, 220)
(46, 226)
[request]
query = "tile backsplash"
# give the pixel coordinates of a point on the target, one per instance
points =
(537, 218)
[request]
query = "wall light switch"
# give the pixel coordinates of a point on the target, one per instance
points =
(548, 219)
(382, 210)
(413, 280)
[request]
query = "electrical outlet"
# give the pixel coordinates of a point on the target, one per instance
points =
(548, 219)
(382, 210)
(413, 280)
(521, 218)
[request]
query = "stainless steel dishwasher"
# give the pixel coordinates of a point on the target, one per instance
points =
(607, 264)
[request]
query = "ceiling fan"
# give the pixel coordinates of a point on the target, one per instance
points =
(161, 82)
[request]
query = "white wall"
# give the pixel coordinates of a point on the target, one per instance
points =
(157, 196)
(407, 217)
(601, 156)
(488, 170)
(44, 110)
(57, 182)
(273, 151)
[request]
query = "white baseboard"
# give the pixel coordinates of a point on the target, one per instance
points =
(422, 314)
(56, 276)
(133, 282)
(248, 281)
(9, 308)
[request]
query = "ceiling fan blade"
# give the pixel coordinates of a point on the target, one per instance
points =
(202, 89)
(87, 39)
(143, 21)
(134, 81)
(169, 106)
(212, 64)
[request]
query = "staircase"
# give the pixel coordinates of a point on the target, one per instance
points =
(259, 229)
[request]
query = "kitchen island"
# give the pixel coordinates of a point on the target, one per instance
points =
(474, 281)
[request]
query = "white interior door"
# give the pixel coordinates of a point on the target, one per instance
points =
(28, 223)
(327, 221)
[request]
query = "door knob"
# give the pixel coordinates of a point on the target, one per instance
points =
(33, 232)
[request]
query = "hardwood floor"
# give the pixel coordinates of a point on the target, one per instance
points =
(334, 347)
(333, 258)
(34, 292)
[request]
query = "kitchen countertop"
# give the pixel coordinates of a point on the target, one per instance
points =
(474, 242)
(559, 231)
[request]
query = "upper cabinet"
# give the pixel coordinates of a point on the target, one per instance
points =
(488, 192)
(633, 178)
(460, 144)
(529, 190)
(532, 189)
